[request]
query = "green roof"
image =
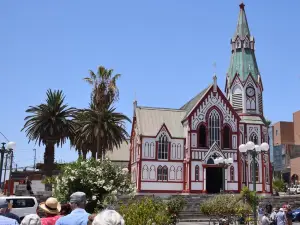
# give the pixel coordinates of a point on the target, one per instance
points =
(242, 28)
(243, 60)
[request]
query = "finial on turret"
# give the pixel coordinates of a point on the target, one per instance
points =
(215, 77)
(134, 104)
(242, 5)
(215, 83)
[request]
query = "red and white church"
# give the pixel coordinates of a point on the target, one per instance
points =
(173, 150)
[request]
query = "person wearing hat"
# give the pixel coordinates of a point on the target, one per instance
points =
(5, 210)
(52, 210)
(78, 216)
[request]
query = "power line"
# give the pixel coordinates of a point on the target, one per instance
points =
(4, 136)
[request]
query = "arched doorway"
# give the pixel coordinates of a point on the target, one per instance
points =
(214, 177)
(295, 179)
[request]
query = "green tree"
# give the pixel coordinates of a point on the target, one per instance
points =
(278, 185)
(103, 123)
(50, 124)
(106, 125)
(83, 144)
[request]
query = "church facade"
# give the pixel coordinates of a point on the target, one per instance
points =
(173, 150)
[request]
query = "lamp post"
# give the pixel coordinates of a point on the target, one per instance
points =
(254, 151)
(224, 163)
(10, 147)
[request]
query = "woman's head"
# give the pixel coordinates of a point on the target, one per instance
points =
(65, 209)
(108, 217)
(31, 219)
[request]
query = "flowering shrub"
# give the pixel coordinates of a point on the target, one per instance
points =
(102, 181)
(225, 205)
(175, 204)
(146, 211)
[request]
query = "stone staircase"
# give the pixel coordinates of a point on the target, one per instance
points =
(191, 211)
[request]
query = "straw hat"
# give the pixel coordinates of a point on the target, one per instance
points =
(51, 206)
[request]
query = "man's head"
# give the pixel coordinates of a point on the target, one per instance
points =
(108, 217)
(78, 200)
(3, 206)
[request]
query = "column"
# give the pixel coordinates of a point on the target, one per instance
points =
(226, 174)
(204, 180)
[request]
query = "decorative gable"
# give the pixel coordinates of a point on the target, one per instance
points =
(163, 131)
(214, 150)
(218, 100)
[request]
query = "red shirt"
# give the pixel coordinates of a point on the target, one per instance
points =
(50, 220)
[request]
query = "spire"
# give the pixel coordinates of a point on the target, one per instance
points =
(243, 60)
(242, 28)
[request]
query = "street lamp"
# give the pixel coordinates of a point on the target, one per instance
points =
(9, 150)
(254, 151)
(224, 163)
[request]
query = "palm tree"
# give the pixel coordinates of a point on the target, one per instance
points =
(105, 91)
(50, 124)
(81, 143)
(104, 128)
(104, 94)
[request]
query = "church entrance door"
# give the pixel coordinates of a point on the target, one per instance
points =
(214, 179)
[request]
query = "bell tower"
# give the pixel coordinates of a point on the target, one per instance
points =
(244, 87)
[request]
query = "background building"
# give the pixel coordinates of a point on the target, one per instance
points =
(286, 148)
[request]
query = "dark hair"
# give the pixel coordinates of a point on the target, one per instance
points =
(65, 209)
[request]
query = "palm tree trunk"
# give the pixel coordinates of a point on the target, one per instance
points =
(98, 146)
(79, 153)
(94, 154)
(49, 162)
(84, 155)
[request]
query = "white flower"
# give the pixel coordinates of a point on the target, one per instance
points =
(94, 198)
(125, 170)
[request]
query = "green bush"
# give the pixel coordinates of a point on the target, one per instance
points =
(146, 211)
(278, 185)
(225, 205)
(174, 205)
(250, 196)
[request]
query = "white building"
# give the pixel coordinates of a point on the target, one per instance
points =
(173, 150)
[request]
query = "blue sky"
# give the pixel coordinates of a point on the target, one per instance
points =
(163, 49)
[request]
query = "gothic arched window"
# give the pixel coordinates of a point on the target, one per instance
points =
(214, 127)
(197, 173)
(226, 137)
(210, 161)
(163, 147)
(165, 173)
(231, 173)
(162, 173)
(256, 171)
(202, 136)
(253, 137)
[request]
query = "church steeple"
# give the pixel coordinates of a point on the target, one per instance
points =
(242, 28)
(246, 94)
(243, 61)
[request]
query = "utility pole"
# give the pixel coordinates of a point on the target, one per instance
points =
(34, 159)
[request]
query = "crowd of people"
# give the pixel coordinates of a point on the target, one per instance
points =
(54, 213)
(279, 216)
